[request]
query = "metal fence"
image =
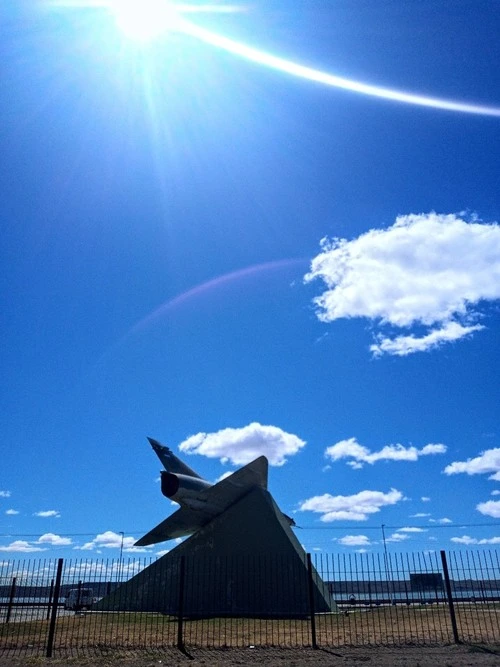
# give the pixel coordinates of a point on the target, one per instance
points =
(391, 600)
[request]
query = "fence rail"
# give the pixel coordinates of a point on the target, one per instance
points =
(55, 607)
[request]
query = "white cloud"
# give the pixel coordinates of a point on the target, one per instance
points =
(465, 539)
(357, 507)
(490, 508)
(411, 529)
(496, 492)
(45, 514)
(112, 540)
(11, 512)
(425, 499)
(161, 553)
(54, 540)
(419, 515)
(488, 461)
(444, 520)
(430, 271)
(21, 546)
(398, 537)
(242, 445)
(355, 541)
(5, 494)
(401, 346)
(351, 449)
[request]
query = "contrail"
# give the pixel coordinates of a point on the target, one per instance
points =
(318, 76)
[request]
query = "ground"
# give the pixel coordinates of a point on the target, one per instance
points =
(443, 656)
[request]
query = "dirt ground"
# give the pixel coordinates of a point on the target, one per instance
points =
(443, 656)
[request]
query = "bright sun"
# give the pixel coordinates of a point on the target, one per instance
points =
(144, 20)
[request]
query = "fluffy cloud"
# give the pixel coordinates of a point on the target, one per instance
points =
(465, 539)
(112, 540)
(443, 521)
(354, 541)
(242, 445)
(45, 514)
(351, 449)
(21, 546)
(350, 508)
(429, 271)
(419, 515)
(11, 512)
(488, 461)
(490, 508)
(5, 494)
(54, 540)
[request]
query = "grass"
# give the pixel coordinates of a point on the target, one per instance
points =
(378, 626)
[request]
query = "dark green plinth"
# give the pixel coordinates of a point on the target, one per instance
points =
(246, 562)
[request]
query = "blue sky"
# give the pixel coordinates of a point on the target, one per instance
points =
(237, 260)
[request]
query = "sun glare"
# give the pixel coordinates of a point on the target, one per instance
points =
(145, 20)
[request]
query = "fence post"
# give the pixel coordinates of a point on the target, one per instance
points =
(180, 606)
(450, 597)
(55, 602)
(11, 599)
(310, 586)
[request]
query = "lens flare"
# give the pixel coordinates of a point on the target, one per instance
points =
(319, 76)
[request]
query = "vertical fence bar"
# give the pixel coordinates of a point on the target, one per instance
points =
(11, 599)
(180, 609)
(450, 597)
(55, 602)
(51, 593)
(311, 601)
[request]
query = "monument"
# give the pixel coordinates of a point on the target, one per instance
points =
(242, 557)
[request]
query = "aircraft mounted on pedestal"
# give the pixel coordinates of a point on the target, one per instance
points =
(200, 500)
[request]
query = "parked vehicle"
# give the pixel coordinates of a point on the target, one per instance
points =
(79, 598)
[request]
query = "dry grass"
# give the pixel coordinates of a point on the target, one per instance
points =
(377, 626)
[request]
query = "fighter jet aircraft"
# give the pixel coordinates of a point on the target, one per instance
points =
(200, 501)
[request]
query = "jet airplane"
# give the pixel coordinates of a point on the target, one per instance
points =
(200, 500)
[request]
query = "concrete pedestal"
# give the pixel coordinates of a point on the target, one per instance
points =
(246, 562)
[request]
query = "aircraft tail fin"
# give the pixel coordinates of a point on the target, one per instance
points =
(170, 461)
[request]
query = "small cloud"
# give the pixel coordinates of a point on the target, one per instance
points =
(54, 540)
(11, 512)
(20, 546)
(161, 553)
(465, 539)
(239, 446)
(5, 494)
(425, 499)
(496, 492)
(354, 541)
(45, 514)
(398, 537)
(487, 462)
(443, 521)
(351, 449)
(412, 529)
(112, 540)
(419, 515)
(357, 507)
(428, 271)
(490, 508)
